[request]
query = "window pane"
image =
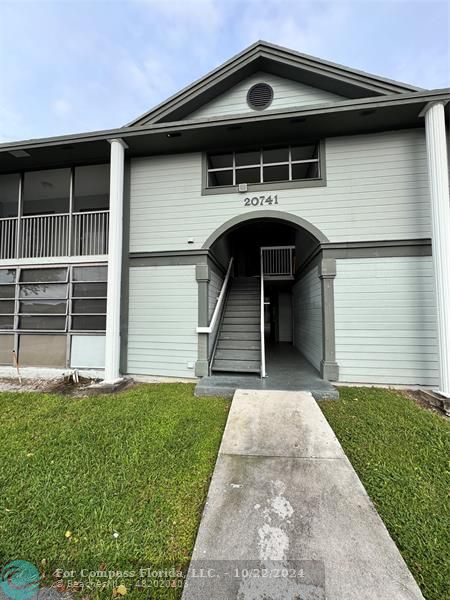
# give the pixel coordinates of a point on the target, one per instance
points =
(304, 152)
(50, 307)
(219, 161)
(9, 195)
(7, 275)
(247, 158)
(88, 323)
(276, 155)
(43, 275)
(305, 171)
(6, 349)
(280, 173)
(6, 307)
(6, 322)
(86, 290)
(46, 192)
(248, 175)
(42, 323)
(43, 290)
(7, 291)
(89, 306)
(98, 273)
(219, 178)
(31, 350)
(91, 188)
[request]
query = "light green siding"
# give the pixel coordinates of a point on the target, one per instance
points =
(386, 321)
(287, 93)
(162, 337)
(307, 315)
(377, 189)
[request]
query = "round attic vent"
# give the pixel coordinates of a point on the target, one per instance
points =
(260, 96)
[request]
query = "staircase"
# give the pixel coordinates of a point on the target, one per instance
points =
(239, 339)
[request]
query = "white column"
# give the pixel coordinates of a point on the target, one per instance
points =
(440, 214)
(112, 340)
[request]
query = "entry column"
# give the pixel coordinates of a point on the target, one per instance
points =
(440, 215)
(112, 338)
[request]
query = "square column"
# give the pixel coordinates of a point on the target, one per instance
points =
(112, 338)
(440, 216)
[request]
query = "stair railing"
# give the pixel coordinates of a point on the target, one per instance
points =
(263, 344)
(218, 311)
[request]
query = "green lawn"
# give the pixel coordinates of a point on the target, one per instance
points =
(401, 453)
(77, 472)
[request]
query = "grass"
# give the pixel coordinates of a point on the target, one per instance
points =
(401, 453)
(77, 472)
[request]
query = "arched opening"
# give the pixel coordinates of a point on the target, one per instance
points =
(279, 246)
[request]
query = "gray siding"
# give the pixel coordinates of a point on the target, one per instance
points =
(215, 285)
(377, 188)
(386, 321)
(162, 337)
(287, 93)
(307, 314)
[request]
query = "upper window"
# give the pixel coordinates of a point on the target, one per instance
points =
(268, 165)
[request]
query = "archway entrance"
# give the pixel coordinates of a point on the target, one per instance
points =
(274, 322)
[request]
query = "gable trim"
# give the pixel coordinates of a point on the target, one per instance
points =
(250, 59)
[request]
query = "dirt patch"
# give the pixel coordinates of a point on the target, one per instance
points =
(61, 385)
(416, 397)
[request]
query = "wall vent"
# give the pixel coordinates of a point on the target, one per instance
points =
(260, 96)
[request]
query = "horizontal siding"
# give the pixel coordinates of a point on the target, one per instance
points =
(162, 337)
(307, 314)
(386, 321)
(377, 188)
(287, 93)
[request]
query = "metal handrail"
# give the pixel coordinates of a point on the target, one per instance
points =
(263, 343)
(218, 308)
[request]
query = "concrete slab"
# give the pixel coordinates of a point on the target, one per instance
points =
(287, 369)
(290, 522)
(274, 423)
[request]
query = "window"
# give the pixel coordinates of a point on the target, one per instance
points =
(9, 195)
(267, 165)
(91, 188)
(46, 192)
(40, 307)
(88, 309)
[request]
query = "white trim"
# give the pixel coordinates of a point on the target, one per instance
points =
(53, 261)
(116, 192)
(218, 308)
(440, 218)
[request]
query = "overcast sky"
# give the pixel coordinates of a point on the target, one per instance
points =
(68, 66)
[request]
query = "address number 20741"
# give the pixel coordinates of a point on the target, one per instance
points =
(261, 200)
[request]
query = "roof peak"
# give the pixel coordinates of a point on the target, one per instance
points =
(286, 62)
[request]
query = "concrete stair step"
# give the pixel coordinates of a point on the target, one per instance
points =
(241, 314)
(246, 354)
(240, 335)
(240, 327)
(243, 344)
(236, 366)
(240, 320)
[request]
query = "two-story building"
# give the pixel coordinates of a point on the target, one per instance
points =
(279, 200)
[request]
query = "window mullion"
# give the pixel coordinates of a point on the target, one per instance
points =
(261, 176)
(290, 163)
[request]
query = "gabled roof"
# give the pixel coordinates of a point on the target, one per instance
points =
(263, 56)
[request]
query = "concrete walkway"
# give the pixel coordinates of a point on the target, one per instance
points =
(286, 516)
